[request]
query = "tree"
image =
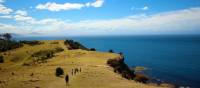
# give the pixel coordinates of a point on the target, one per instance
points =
(74, 45)
(1, 59)
(7, 36)
(0, 36)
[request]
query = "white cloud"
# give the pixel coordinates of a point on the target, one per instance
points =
(6, 16)
(175, 22)
(19, 16)
(21, 12)
(8, 28)
(57, 7)
(5, 10)
(22, 18)
(97, 3)
(145, 8)
(140, 9)
(1, 1)
(52, 6)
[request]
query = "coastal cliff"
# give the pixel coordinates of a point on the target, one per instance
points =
(29, 67)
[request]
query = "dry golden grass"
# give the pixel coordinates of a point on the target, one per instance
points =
(95, 73)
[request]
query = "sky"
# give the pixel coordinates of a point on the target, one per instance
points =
(99, 17)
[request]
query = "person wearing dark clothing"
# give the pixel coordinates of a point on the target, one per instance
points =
(75, 71)
(72, 72)
(67, 79)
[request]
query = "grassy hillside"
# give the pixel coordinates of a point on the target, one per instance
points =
(95, 73)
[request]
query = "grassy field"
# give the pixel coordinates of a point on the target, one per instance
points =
(95, 73)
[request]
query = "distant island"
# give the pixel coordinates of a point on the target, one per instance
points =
(61, 63)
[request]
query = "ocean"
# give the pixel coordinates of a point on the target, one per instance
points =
(168, 58)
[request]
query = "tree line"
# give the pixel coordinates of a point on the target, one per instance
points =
(6, 42)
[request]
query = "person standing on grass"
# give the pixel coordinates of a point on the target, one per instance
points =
(67, 79)
(72, 72)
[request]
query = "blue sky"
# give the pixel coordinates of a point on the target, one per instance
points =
(99, 17)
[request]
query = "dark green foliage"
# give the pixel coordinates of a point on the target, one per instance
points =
(32, 43)
(74, 45)
(58, 49)
(8, 45)
(49, 55)
(59, 71)
(55, 43)
(1, 59)
(120, 67)
(92, 49)
(5, 36)
(141, 78)
(43, 55)
(46, 54)
(15, 59)
(120, 53)
(111, 51)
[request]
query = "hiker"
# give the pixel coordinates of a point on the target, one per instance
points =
(72, 72)
(80, 70)
(75, 71)
(67, 79)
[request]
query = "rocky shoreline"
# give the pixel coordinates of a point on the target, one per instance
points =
(120, 67)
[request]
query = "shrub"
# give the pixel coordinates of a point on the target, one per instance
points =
(1, 59)
(8, 45)
(120, 67)
(58, 49)
(59, 71)
(49, 55)
(15, 59)
(92, 49)
(74, 45)
(120, 53)
(141, 78)
(46, 54)
(111, 51)
(54, 43)
(32, 43)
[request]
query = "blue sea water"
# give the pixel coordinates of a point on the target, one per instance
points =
(172, 58)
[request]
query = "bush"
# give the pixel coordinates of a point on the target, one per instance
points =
(6, 45)
(32, 43)
(111, 51)
(141, 78)
(58, 49)
(59, 71)
(46, 54)
(120, 53)
(120, 67)
(75, 45)
(43, 55)
(15, 59)
(1, 59)
(92, 49)
(54, 42)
